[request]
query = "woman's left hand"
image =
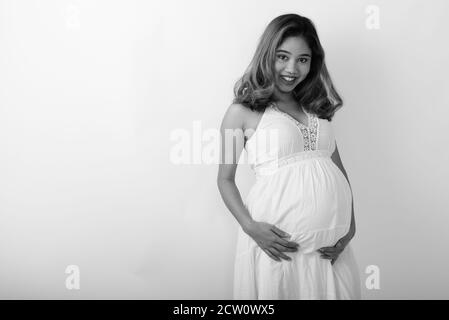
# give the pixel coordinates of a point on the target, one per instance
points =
(332, 253)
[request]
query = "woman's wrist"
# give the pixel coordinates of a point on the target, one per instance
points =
(247, 224)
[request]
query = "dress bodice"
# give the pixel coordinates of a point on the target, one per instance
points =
(279, 138)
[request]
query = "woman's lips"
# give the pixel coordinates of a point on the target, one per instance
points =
(289, 83)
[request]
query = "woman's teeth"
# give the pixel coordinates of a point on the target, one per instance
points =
(288, 79)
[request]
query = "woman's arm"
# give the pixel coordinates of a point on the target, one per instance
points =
(231, 134)
(267, 236)
(337, 160)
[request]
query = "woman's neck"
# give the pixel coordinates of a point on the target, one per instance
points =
(287, 104)
(286, 99)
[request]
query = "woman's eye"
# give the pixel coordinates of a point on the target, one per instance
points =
(284, 58)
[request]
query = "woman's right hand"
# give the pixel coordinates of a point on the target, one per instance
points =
(271, 240)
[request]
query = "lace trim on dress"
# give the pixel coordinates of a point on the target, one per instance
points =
(309, 132)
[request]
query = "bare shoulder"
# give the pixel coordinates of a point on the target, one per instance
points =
(236, 116)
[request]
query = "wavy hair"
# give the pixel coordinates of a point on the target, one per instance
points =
(316, 93)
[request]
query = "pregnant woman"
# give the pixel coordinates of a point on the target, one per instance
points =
(298, 218)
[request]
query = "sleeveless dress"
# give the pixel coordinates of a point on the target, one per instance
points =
(302, 191)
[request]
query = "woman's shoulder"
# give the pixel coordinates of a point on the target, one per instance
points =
(238, 108)
(241, 116)
(235, 116)
(239, 112)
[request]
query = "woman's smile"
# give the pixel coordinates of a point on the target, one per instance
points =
(288, 80)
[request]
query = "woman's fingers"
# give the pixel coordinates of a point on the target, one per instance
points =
(272, 256)
(329, 249)
(279, 232)
(279, 254)
(285, 243)
(330, 256)
(282, 248)
(282, 234)
(331, 253)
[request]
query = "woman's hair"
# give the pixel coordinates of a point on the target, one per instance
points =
(316, 92)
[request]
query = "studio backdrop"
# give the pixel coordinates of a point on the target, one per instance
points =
(109, 121)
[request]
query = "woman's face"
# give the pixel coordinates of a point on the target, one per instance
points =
(292, 63)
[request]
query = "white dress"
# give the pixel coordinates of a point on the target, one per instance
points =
(300, 190)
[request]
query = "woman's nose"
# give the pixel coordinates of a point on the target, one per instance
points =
(291, 67)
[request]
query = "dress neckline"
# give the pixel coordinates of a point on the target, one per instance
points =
(299, 123)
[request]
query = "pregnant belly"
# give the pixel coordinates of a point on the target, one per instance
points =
(311, 201)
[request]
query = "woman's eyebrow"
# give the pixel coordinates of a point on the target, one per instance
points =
(301, 55)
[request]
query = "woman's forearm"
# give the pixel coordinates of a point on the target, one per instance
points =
(337, 160)
(348, 236)
(233, 201)
(352, 228)
(351, 232)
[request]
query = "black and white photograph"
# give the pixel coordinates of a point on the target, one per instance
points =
(224, 150)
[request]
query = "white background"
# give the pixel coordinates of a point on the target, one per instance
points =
(91, 91)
